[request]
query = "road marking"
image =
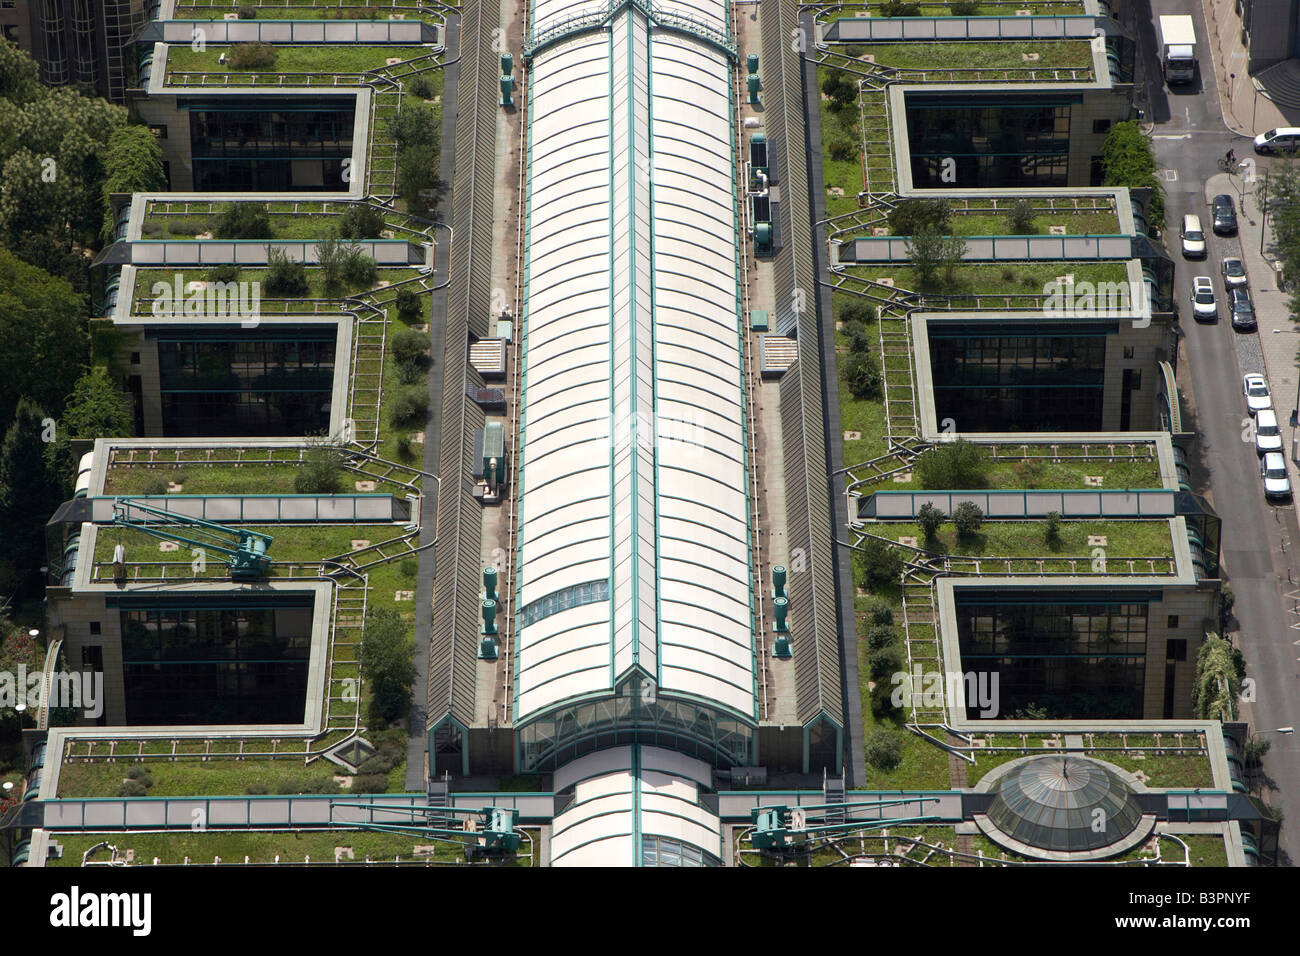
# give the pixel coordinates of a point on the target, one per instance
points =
(1172, 136)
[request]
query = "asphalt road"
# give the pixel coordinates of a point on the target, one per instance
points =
(1190, 136)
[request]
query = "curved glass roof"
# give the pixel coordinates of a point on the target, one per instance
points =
(1066, 804)
(632, 455)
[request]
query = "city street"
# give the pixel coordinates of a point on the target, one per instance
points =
(1259, 539)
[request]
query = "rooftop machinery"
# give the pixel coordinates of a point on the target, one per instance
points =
(244, 551)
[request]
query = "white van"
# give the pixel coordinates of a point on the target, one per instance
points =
(1193, 237)
(1268, 437)
(1278, 140)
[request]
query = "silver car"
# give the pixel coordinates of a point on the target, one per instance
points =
(1277, 486)
(1234, 272)
(1203, 304)
(1268, 437)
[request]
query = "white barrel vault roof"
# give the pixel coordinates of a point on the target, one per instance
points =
(621, 796)
(633, 457)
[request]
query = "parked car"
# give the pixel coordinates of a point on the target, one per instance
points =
(1268, 437)
(1256, 391)
(1243, 311)
(1204, 308)
(1225, 215)
(1193, 237)
(1273, 470)
(1233, 271)
(1278, 140)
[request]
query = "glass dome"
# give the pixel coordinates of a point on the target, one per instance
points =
(1065, 804)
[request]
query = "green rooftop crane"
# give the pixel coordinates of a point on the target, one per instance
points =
(778, 828)
(494, 829)
(244, 551)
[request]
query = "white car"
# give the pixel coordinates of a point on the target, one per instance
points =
(1256, 391)
(1268, 437)
(1193, 237)
(1234, 273)
(1203, 304)
(1276, 483)
(1278, 140)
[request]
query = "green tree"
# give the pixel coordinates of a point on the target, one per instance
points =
(284, 276)
(935, 258)
(243, 220)
(321, 471)
(1218, 680)
(1020, 218)
(415, 130)
(862, 375)
(133, 164)
(910, 216)
(386, 663)
(884, 749)
(410, 306)
(53, 175)
(877, 563)
(1052, 528)
(360, 221)
(1128, 159)
(954, 466)
(856, 310)
(968, 517)
(20, 78)
(43, 337)
(27, 495)
(255, 56)
(881, 635)
(929, 518)
(97, 408)
(881, 612)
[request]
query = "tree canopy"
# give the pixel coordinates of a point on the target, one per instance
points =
(133, 164)
(43, 336)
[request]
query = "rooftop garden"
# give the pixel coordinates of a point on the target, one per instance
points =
(937, 844)
(1026, 539)
(247, 470)
(305, 10)
(1052, 467)
(167, 766)
(263, 847)
(242, 62)
(296, 552)
(1175, 761)
(297, 219)
(959, 55)
(953, 8)
(994, 278)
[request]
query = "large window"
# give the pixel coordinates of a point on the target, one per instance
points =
(279, 383)
(1010, 381)
(664, 851)
(249, 147)
(1069, 660)
(684, 726)
(981, 141)
(222, 663)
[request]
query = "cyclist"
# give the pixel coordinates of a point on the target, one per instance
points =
(1230, 158)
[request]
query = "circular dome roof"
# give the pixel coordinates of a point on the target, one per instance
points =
(1065, 804)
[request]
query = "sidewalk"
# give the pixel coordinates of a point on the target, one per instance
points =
(1245, 110)
(1279, 337)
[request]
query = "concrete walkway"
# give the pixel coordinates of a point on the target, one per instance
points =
(1245, 110)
